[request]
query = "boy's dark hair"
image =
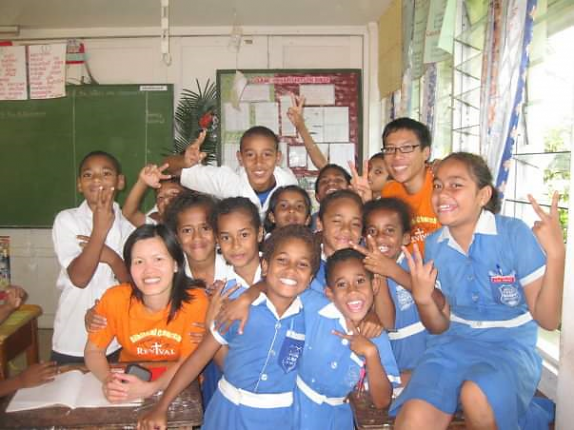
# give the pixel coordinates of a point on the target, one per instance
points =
(173, 180)
(295, 231)
(181, 283)
(391, 204)
(418, 128)
(270, 225)
(105, 154)
(260, 131)
(378, 155)
(235, 204)
(331, 166)
(339, 194)
(340, 256)
(185, 200)
(481, 175)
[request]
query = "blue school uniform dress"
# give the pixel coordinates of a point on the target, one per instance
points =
(256, 390)
(319, 282)
(410, 336)
(328, 369)
(492, 336)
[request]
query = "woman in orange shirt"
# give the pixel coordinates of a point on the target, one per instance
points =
(151, 317)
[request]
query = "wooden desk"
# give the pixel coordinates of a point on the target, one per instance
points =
(19, 333)
(184, 413)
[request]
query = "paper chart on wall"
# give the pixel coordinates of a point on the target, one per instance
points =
(318, 94)
(230, 155)
(267, 115)
(314, 121)
(256, 93)
(297, 156)
(341, 154)
(287, 127)
(47, 71)
(236, 119)
(13, 79)
(336, 124)
(324, 148)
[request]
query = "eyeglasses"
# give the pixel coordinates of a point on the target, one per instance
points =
(405, 149)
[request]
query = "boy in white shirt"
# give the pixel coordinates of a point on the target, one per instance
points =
(88, 241)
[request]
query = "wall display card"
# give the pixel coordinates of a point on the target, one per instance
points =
(230, 155)
(237, 119)
(267, 115)
(324, 148)
(284, 147)
(336, 124)
(314, 121)
(256, 93)
(318, 94)
(297, 156)
(47, 71)
(287, 127)
(4, 262)
(341, 154)
(13, 80)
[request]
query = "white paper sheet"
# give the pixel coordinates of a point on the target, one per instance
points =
(230, 155)
(283, 147)
(341, 154)
(13, 80)
(314, 121)
(324, 148)
(318, 94)
(287, 127)
(47, 71)
(267, 114)
(336, 124)
(236, 119)
(297, 156)
(256, 93)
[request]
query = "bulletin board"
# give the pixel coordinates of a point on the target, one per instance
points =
(332, 114)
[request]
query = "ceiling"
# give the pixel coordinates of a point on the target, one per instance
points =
(58, 14)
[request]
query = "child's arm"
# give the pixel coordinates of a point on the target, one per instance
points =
(384, 305)
(36, 374)
(14, 298)
(295, 115)
(93, 321)
(191, 156)
(83, 267)
(544, 296)
(187, 372)
(149, 176)
(238, 309)
(360, 183)
(423, 278)
(111, 258)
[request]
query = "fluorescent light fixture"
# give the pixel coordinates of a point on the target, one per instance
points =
(9, 29)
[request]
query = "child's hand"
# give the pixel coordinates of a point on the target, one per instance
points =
(548, 230)
(360, 183)
(93, 321)
(193, 154)
(217, 299)
(358, 343)
(37, 374)
(295, 112)
(197, 337)
(375, 261)
(151, 175)
(423, 276)
(121, 387)
(231, 311)
(371, 326)
(156, 419)
(15, 296)
(103, 212)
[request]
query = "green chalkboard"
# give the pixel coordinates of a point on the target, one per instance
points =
(42, 142)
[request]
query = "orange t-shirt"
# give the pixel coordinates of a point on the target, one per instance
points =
(424, 220)
(146, 336)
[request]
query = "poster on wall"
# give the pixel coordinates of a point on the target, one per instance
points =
(332, 115)
(13, 80)
(47, 70)
(4, 262)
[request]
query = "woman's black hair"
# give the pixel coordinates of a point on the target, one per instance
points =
(391, 204)
(481, 175)
(181, 284)
(273, 200)
(339, 256)
(328, 167)
(235, 204)
(339, 194)
(294, 231)
(187, 199)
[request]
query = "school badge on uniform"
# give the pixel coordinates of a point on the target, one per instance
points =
(503, 287)
(404, 298)
(291, 350)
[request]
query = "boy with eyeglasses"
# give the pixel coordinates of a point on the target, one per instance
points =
(406, 148)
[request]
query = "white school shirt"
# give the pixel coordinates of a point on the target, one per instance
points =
(220, 272)
(223, 182)
(70, 335)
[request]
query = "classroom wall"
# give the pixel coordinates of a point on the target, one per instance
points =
(125, 60)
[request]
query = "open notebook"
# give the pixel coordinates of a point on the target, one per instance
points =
(73, 389)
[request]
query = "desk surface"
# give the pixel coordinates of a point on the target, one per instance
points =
(18, 318)
(185, 411)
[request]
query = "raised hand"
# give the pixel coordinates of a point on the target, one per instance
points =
(151, 175)
(360, 183)
(295, 112)
(358, 343)
(103, 212)
(193, 154)
(375, 261)
(548, 230)
(423, 276)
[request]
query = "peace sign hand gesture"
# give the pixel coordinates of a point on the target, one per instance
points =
(193, 154)
(423, 276)
(360, 183)
(359, 344)
(548, 230)
(152, 175)
(295, 112)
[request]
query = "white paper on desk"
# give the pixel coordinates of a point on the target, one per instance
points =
(318, 94)
(256, 93)
(13, 79)
(324, 148)
(336, 124)
(287, 127)
(236, 119)
(341, 154)
(47, 70)
(297, 156)
(267, 114)
(314, 120)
